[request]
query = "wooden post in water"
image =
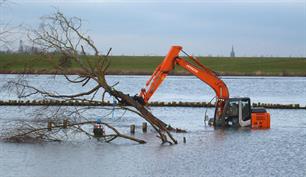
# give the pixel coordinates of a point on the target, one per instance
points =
(65, 123)
(132, 129)
(184, 140)
(144, 127)
(49, 125)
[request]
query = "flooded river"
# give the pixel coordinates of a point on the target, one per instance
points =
(279, 151)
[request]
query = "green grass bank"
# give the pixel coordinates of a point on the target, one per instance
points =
(241, 66)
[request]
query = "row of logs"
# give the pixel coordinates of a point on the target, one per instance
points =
(108, 103)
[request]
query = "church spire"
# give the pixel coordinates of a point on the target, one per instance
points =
(232, 52)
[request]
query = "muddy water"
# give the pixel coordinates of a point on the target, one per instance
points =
(279, 151)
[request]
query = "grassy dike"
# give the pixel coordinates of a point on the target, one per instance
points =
(244, 66)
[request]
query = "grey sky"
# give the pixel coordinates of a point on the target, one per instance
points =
(255, 28)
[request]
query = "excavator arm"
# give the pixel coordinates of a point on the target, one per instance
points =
(199, 70)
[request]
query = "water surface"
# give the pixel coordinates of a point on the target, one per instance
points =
(279, 151)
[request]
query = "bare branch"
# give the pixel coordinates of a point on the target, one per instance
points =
(27, 132)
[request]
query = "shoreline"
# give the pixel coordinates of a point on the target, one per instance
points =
(145, 73)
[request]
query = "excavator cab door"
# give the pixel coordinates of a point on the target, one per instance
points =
(237, 112)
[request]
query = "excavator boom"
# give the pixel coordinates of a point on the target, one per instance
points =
(200, 71)
(197, 69)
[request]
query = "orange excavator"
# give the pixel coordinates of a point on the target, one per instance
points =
(229, 112)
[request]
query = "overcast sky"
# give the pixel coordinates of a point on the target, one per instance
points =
(147, 27)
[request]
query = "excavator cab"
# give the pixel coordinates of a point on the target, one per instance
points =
(239, 113)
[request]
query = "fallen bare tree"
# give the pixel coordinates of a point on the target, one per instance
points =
(61, 37)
